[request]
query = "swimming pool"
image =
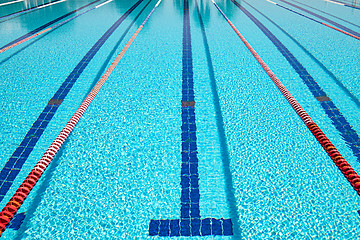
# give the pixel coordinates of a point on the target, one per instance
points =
(188, 136)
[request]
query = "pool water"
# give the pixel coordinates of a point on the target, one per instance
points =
(121, 169)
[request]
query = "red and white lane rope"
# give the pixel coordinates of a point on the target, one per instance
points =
(51, 28)
(331, 150)
(28, 184)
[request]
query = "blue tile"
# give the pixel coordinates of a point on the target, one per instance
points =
(193, 168)
(194, 210)
(216, 227)
(12, 175)
(17, 221)
(174, 228)
(10, 164)
(184, 227)
(164, 229)
(4, 190)
(4, 173)
(195, 227)
(185, 211)
(205, 227)
(185, 168)
(185, 196)
(154, 227)
(19, 163)
(227, 227)
(26, 152)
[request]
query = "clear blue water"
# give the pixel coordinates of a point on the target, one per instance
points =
(121, 165)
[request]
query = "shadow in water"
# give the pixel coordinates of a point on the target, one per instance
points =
(44, 184)
(229, 187)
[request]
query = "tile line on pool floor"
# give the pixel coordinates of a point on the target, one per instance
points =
(21, 154)
(190, 222)
(338, 120)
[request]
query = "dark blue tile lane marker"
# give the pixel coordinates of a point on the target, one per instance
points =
(190, 222)
(47, 25)
(322, 18)
(18, 158)
(17, 221)
(337, 119)
(18, 13)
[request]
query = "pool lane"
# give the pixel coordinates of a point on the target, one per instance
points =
(347, 31)
(250, 29)
(18, 158)
(351, 137)
(10, 210)
(51, 28)
(344, 4)
(341, 19)
(37, 30)
(190, 222)
(313, 57)
(339, 121)
(96, 139)
(25, 11)
(323, 18)
(10, 2)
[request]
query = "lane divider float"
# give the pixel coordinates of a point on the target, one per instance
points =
(30, 181)
(357, 36)
(51, 28)
(330, 149)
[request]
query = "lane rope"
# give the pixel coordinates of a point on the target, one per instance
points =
(330, 149)
(51, 28)
(30, 181)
